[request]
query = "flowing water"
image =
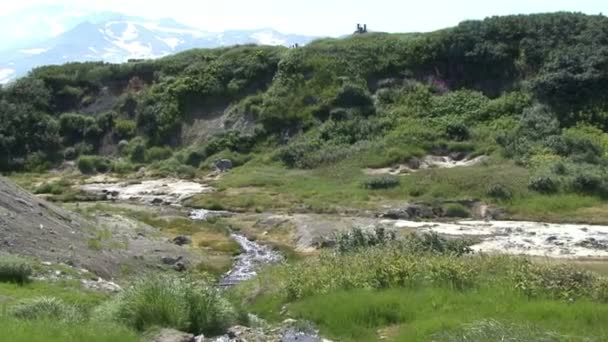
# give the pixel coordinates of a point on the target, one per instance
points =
(247, 263)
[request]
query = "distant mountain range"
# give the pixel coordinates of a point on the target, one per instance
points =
(113, 37)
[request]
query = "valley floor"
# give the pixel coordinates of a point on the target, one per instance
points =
(299, 212)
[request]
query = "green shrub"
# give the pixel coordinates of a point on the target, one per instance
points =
(175, 302)
(556, 281)
(92, 164)
(137, 151)
(499, 191)
(384, 182)
(544, 184)
(54, 188)
(157, 153)
(457, 131)
(42, 308)
(37, 162)
(76, 127)
(186, 171)
(122, 167)
(588, 181)
(70, 153)
(456, 210)
(15, 269)
(436, 244)
(356, 239)
(125, 129)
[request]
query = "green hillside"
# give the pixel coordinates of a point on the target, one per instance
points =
(530, 91)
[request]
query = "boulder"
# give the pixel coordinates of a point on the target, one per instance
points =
(414, 163)
(457, 156)
(181, 240)
(410, 212)
(171, 335)
(223, 165)
(179, 266)
(167, 260)
(396, 214)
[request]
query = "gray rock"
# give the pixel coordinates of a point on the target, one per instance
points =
(397, 214)
(414, 163)
(223, 165)
(167, 260)
(179, 266)
(411, 211)
(171, 335)
(457, 156)
(181, 240)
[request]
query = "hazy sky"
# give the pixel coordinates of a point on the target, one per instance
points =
(318, 17)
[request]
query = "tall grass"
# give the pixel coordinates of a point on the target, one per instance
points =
(14, 269)
(173, 302)
(41, 308)
(414, 265)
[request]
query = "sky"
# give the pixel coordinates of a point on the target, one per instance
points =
(315, 17)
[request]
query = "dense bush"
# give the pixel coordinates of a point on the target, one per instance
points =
(70, 153)
(158, 153)
(499, 191)
(456, 210)
(545, 184)
(76, 127)
(357, 238)
(14, 269)
(174, 302)
(125, 129)
(93, 164)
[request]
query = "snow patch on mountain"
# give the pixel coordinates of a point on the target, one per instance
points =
(152, 26)
(115, 38)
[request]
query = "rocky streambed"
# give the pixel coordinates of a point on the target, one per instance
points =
(522, 238)
(156, 191)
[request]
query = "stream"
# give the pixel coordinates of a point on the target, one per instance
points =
(247, 263)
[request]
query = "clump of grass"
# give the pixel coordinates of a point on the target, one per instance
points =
(42, 308)
(14, 269)
(384, 182)
(173, 302)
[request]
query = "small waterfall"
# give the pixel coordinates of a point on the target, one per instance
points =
(247, 263)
